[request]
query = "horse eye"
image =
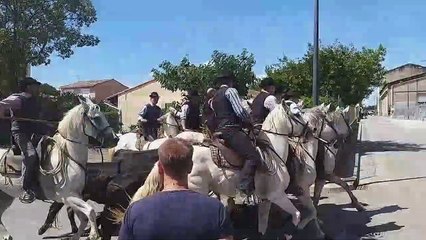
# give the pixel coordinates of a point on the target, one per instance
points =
(315, 129)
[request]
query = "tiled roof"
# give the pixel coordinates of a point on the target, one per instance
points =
(133, 88)
(85, 84)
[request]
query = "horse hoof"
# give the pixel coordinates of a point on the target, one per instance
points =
(360, 208)
(8, 237)
(43, 229)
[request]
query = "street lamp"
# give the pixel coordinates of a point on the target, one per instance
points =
(315, 85)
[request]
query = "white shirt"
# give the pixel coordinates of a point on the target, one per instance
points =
(294, 108)
(183, 112)
(270, 101)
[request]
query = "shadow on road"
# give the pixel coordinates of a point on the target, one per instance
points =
(348, 224)
(389, 146)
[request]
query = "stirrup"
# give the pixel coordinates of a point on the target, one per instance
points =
(27, 197)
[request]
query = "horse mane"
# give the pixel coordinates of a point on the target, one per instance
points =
(314, 115)
(275, 118)
(335, 116)
(68, 123)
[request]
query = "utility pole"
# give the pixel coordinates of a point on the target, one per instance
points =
(315, 85)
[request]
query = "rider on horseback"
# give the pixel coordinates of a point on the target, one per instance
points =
(208, 114)
(231, 117)
(264, 102)
(190, 112)
(149, 119)
(25, 105)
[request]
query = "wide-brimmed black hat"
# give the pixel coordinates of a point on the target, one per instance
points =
(27, 81)
(154, 94)
(192, 93)
(267, 81)
(225, 77)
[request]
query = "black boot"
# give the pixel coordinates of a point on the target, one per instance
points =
(247, 177)
(27, 196)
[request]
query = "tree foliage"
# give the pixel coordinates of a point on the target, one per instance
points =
(346, 73)
(32, 30)
(189, 76)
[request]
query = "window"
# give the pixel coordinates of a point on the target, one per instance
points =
(421, 99)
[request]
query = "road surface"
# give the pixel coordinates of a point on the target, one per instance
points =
(393, 172)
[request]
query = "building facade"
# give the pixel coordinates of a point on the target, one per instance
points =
(131, 101)
(404, 93)
(97, 90)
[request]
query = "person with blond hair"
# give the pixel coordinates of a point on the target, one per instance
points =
(176, 212)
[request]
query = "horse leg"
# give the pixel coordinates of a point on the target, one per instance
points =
(319, 185)
(5, 201)
(311, 215)
(71, 217)
(53, 212)
(80, 206)
(263, 215)
(355, 203)
(285, 204)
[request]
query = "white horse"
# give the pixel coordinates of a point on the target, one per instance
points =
(206, 176)
(306, 149)
(65, 178)
(342, 122)
(170, 127)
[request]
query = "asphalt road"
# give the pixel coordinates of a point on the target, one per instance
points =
(393, 173)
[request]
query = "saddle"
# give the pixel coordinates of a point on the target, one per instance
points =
(227, 158)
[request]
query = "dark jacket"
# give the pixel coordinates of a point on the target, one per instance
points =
(151, 114)
(193, 120)
(30, 108)
(258, 110)
(208, 116)
(224, 113)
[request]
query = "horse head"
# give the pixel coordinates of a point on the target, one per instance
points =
(87, 120)
(291, 120)
(170, 123)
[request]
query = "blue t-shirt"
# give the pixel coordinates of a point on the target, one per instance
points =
(176, 215)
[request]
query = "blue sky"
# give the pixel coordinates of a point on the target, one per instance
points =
(137, 35)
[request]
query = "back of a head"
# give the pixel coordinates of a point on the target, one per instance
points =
(176, 158)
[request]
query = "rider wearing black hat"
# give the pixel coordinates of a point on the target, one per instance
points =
(230, 118)
(25, 104)
(264, 102)
(190, 112)
(149, 118)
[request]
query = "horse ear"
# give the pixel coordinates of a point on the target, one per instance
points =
(83, 101)
(89, 101)
(346, 109)
(326, 108)
(300, 104)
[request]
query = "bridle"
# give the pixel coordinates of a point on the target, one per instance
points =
(85, 118)
(291, 134)
(180, 128)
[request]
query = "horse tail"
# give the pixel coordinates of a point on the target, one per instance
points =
(153, 183)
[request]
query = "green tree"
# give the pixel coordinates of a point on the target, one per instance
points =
(48, 90)
(32, 30)
(188, 76)
(345, 72)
